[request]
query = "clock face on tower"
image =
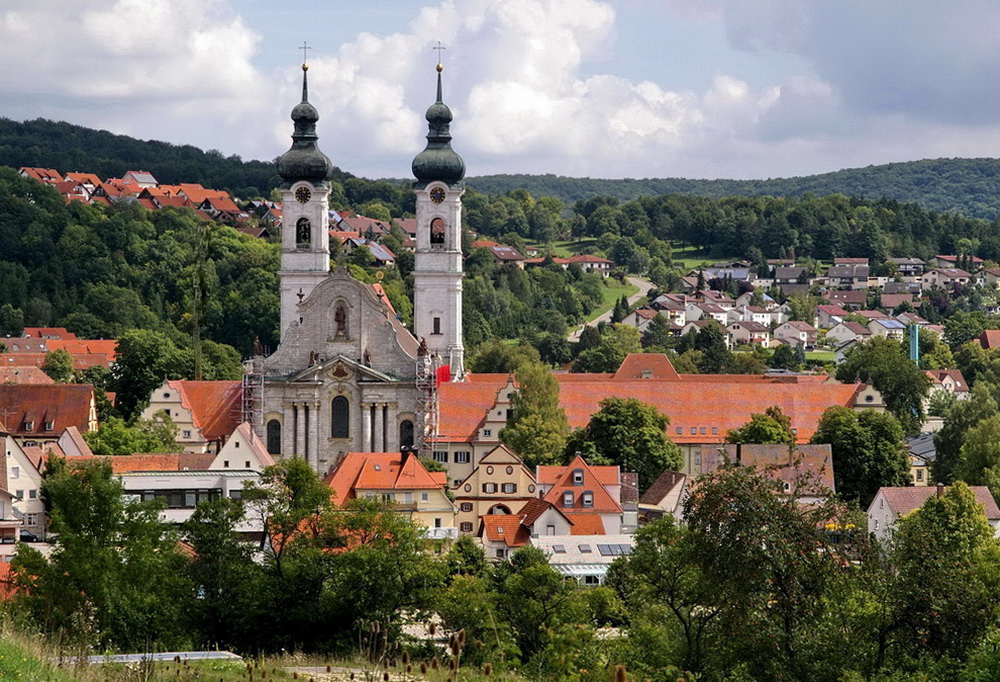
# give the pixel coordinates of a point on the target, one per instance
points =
(302, 195)
(437, 195)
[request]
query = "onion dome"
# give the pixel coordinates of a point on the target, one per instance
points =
(304, 161)
(438, 161)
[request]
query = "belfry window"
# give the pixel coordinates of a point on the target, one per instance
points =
(437, 231)
(406, 434)
(340, 417)
(303, 233)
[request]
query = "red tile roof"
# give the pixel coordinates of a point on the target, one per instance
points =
(378, 471)
(586, 524)
(782, 462)
(124, 464)
(215, 406)
(24, 375)
(505, 528)
(594, 481)
(902, 501)
(691, 401)
(60, 405)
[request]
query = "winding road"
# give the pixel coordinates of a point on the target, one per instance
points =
(644, 286)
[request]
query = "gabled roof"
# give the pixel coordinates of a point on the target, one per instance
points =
(904, 500)
(215, 406)
(59, 405)
(856, 328)
(662, 486)
(24, 375)
(938, 376)
(505, 528)
(171, 462)
(47, 175)
(799, 325)
(378, 471)
(990, 339)
(594, 481)
(646, 366)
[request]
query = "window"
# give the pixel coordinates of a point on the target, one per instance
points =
(587, 498)
(703, 430)
(15, 472)
(567, 500)
(273, 437)
(489, 488)
(510, 487)
(19, 494)
(499, 554)
(591, 580)
(166, 395)
(225, 464)
(236, 494)
(465, 506)
(437, 232)
(303, 233)
(462, 457)
(559, 549)
(424, 497)
(437, 326)
(47, 426)
(33, 494)
(679, 431)
(340, 417)
(440, 455)
(694, 430)
(437, 523)
(585, 549)
(236, 444)
(406, 434)
(550, 529)
(465, 526)
(31, 520)
(487, 433)
(510, 414)
(577, 476)
(920, 474)
(186, 433)
(28, 426)
(715, 430)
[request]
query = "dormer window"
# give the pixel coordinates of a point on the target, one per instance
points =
(577, 476)
(47, 426)
(567, 499)
(29, 426)
(587, 499)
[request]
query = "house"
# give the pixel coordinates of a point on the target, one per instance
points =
(829, 315)
(50, 176)
(22, 476)
(964, 262)
(583, 558)
(848, 331)
(795, 332)
(399, 478)
(749, 333)
(589, 496)
(204, 412)
(893, 301)
(502, 254)
(912, 318)
(746, 299)
(665, 497)
(140, 178)
(640, 318)
(502, 534)
(902, 287)
(891, 504)
(944, 278)
(790, 275)
(591, 263)
(500, 484)
(922, 453)
(848, 275)
(990, 339)
(736, 270)
(805, 470)
(888, 328)
(36, 414)
(10, 525)
(853, 299)
(705, 311)
(948, 380)
(909, 267)
(764, 316)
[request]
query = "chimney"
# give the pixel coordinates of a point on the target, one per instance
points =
(940, 490)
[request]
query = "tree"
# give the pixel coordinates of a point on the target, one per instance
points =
(962, 416)
(631, 434)
(498, 357)
(657, 335)
(711, 341)
(979, 459)
(868, 451)
(115, 437)
(773, 427)
(616, 343)
(883, 363)
(115, 577)
(58, 364)
(144, 359)
(539, 428)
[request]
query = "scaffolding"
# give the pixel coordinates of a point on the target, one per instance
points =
(427, 402)
(253, 395)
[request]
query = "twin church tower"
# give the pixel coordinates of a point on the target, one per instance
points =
(347, 375)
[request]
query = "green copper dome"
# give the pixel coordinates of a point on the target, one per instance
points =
(304, 161)
(438, 161)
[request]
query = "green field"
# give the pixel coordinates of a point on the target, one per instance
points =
(612, 292)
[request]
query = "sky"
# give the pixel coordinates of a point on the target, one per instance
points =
(738, 89)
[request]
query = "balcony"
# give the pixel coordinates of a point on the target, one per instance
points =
(448, 533)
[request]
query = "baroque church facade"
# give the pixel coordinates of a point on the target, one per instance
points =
(348, 376)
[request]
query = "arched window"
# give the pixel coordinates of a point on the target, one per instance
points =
(437, 231)
(406, 434)
(274, 437)
(499, 509)
(303, 233)
(340, 418)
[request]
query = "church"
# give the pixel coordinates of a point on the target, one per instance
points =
(347, 375)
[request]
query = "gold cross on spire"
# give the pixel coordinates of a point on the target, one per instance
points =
(305, 49)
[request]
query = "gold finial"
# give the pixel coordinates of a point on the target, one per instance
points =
(305, 50)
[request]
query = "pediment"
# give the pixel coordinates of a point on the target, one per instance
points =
(342, 368)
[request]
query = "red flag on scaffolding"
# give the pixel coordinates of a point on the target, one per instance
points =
(443, 374)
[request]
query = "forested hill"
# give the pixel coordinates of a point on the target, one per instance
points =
(68, 148)
(967, 186)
